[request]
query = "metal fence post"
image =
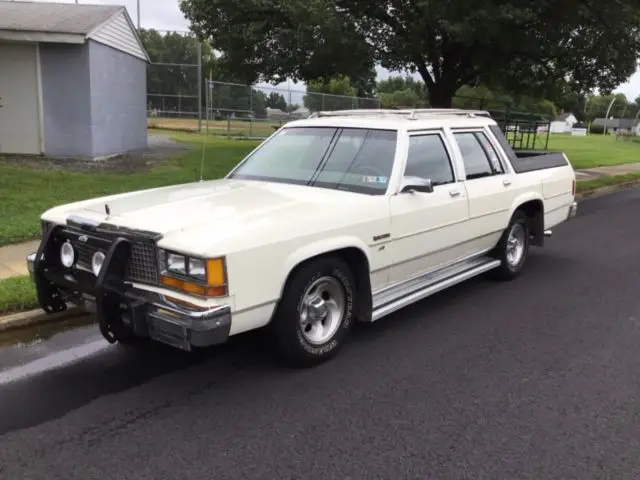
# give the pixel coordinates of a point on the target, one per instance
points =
(200, 79)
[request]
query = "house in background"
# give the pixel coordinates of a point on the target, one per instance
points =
(579, 130)
(301, 112)
(72, 80)
(616, 125)
(275, 114)
(563, 123)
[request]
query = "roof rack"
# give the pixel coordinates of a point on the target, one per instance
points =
(411, 114)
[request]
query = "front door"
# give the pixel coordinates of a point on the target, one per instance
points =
(425, 226)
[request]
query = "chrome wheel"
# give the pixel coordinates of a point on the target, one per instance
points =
(516, 243)
(322, 310)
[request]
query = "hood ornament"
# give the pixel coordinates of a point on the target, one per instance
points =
(107, 210)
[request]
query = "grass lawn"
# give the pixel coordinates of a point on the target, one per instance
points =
(234, 128)
(25, 193)
(595, 150)
(17, 294)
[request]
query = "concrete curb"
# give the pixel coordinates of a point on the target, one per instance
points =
(597, 192)
(36, 317)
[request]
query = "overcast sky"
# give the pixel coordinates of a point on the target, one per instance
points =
(165, 15)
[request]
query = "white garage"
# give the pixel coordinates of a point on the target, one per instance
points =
(20, 128)
(72, 80)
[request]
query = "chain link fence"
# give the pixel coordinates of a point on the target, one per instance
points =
(256, 111)
(174, 85)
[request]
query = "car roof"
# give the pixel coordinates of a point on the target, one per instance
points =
(396, 119)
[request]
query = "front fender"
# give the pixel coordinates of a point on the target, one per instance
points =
(320, 247)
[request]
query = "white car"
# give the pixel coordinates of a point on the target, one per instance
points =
(346, 216)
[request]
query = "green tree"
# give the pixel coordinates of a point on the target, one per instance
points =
(406, 98)
(276, 100)
(396, 83)
(335, 94)
(175, 86)
(516, 46)
(597, 106)
(172, 77)
(272, 40)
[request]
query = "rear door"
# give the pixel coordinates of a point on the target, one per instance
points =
(490, 185)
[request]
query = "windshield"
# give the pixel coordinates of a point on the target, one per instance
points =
(352, 159)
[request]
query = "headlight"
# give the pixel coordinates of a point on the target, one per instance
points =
(96, 263)
(67, 255)
(205, 277)
(197, 269)
(176, 264)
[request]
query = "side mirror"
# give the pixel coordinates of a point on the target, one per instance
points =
(416, 184)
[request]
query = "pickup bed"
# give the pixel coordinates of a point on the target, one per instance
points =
(347, 216)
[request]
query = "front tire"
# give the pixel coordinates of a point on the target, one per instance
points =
(513, 248)
(315, 313)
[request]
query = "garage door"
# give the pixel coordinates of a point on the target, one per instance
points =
(19, 124)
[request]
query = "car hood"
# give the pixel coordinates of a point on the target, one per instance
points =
(226, 209)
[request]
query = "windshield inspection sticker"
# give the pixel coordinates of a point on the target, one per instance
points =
(370, 179)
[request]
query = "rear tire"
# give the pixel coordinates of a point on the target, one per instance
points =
(315, 313)
(513, 248)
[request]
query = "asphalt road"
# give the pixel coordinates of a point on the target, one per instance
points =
(532, 379)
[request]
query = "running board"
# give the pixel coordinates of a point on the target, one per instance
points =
(427, 285)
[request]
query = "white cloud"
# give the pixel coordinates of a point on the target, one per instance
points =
(632, 87)
(166, 15)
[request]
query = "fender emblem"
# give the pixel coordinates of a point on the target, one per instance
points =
(383, 236)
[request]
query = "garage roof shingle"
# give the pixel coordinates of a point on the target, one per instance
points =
(68, 18)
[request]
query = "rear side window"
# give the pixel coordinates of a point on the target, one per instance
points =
(476, 161)
(504, 143)
(490, 152)
(428, 158)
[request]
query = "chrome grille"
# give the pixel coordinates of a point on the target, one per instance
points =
(143, 262)
(85, 253)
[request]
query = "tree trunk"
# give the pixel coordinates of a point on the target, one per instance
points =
(441, 96)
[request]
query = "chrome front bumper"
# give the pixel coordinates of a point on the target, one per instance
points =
(573, 210)
(156, 316)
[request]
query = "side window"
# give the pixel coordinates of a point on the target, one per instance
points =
(490, 152)
(474, 156)
(428, 158)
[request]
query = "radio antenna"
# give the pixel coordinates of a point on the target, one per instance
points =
(204, 150)
(206, 133)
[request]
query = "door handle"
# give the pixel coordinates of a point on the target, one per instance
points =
(506, 182)
(454, 193)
